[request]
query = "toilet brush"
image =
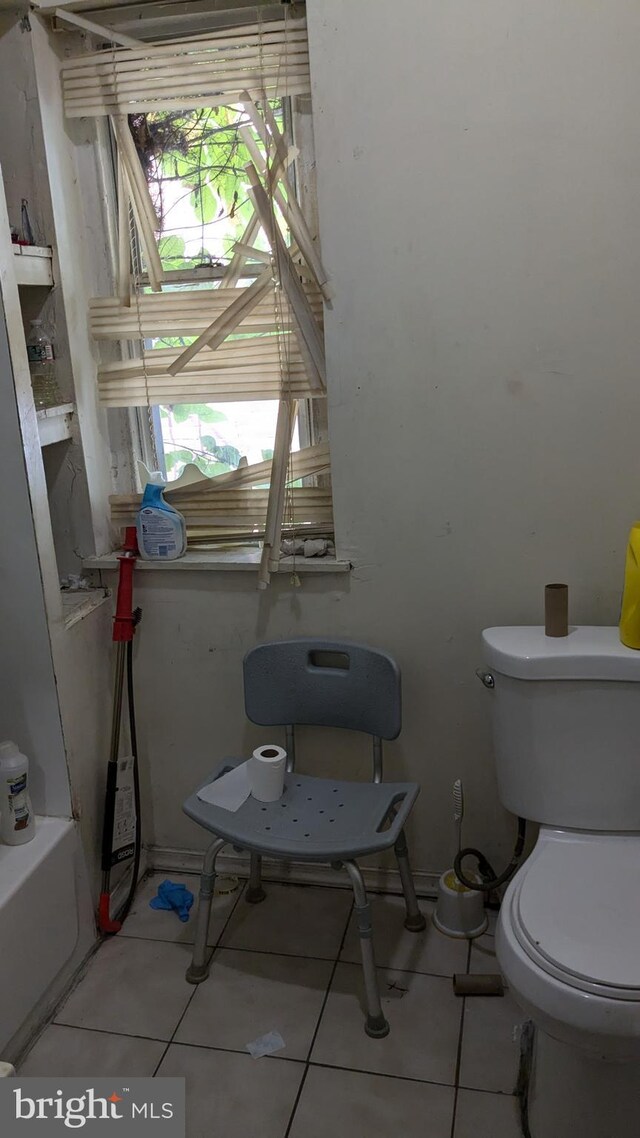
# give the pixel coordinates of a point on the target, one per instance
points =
(459, 911)
(458, 809)
(471, 983)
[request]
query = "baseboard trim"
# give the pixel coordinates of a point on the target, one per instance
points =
(164, 859)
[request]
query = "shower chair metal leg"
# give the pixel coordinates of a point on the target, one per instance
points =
(255, 893)
(198, 970)
(375, 1024)
(415, 920)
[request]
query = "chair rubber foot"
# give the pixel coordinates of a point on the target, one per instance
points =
(376, 1027)
(416, 924)
(195, 975)
(255, 895)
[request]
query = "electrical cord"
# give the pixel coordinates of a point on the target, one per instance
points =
(489, 879)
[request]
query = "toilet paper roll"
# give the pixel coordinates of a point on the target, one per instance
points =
(266, 772)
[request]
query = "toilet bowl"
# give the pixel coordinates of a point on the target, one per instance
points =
(566, 727)
(568, 941)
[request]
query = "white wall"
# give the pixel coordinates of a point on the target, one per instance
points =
(29, 712)
(77, 210)
(57, 682)
(25, 175)
(84, 674)
(478, 180)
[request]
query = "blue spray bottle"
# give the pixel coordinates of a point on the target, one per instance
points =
(160, 527)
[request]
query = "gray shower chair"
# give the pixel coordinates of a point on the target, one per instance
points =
(331, 684)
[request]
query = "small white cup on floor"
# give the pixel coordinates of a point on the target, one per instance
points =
(460, 911)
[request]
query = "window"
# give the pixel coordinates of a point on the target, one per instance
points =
(221, 287)
(195, 166)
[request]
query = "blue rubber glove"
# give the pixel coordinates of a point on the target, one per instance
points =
(172, 895)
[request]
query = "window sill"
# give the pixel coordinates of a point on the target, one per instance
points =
(228, 560)
(78, 604)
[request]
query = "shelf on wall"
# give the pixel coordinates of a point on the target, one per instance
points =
(54, 423)
(33, 265)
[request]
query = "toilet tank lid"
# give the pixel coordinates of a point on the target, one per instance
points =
(587, 653)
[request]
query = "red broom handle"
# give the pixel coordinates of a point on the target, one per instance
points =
(123, 623)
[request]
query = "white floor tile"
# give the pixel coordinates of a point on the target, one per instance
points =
(251, 993)
(424, 1020)
(483, 950)
(134, 987)
(234, 1096)
(429, 951)
(158, 924)
(350, 1104)
(491, 1044)
(69, 1051)
(483, 955)
(492, 915)
(302, 920)
(481, 1115)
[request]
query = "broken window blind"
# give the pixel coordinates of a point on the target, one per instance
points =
(258, 341)
(211, 70)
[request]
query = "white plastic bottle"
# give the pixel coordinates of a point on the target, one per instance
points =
(17, 820)
(42, 367)
(161, 528)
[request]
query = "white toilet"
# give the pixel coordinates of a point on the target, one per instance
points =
(566, 724)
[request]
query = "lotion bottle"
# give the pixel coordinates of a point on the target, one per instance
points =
(17, 820)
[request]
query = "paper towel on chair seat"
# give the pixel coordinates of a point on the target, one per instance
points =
(230, 790)
(262, 776)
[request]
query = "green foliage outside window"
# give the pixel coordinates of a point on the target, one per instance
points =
(201, 151)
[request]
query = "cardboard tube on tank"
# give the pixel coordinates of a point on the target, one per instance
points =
(556, 610)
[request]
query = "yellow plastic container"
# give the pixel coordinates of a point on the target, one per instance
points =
(630, 614)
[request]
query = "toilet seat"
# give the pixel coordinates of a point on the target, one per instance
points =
(575, 911)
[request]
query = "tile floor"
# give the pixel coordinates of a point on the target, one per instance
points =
(447, 1069)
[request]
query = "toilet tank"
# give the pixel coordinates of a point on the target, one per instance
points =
(566, 726)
